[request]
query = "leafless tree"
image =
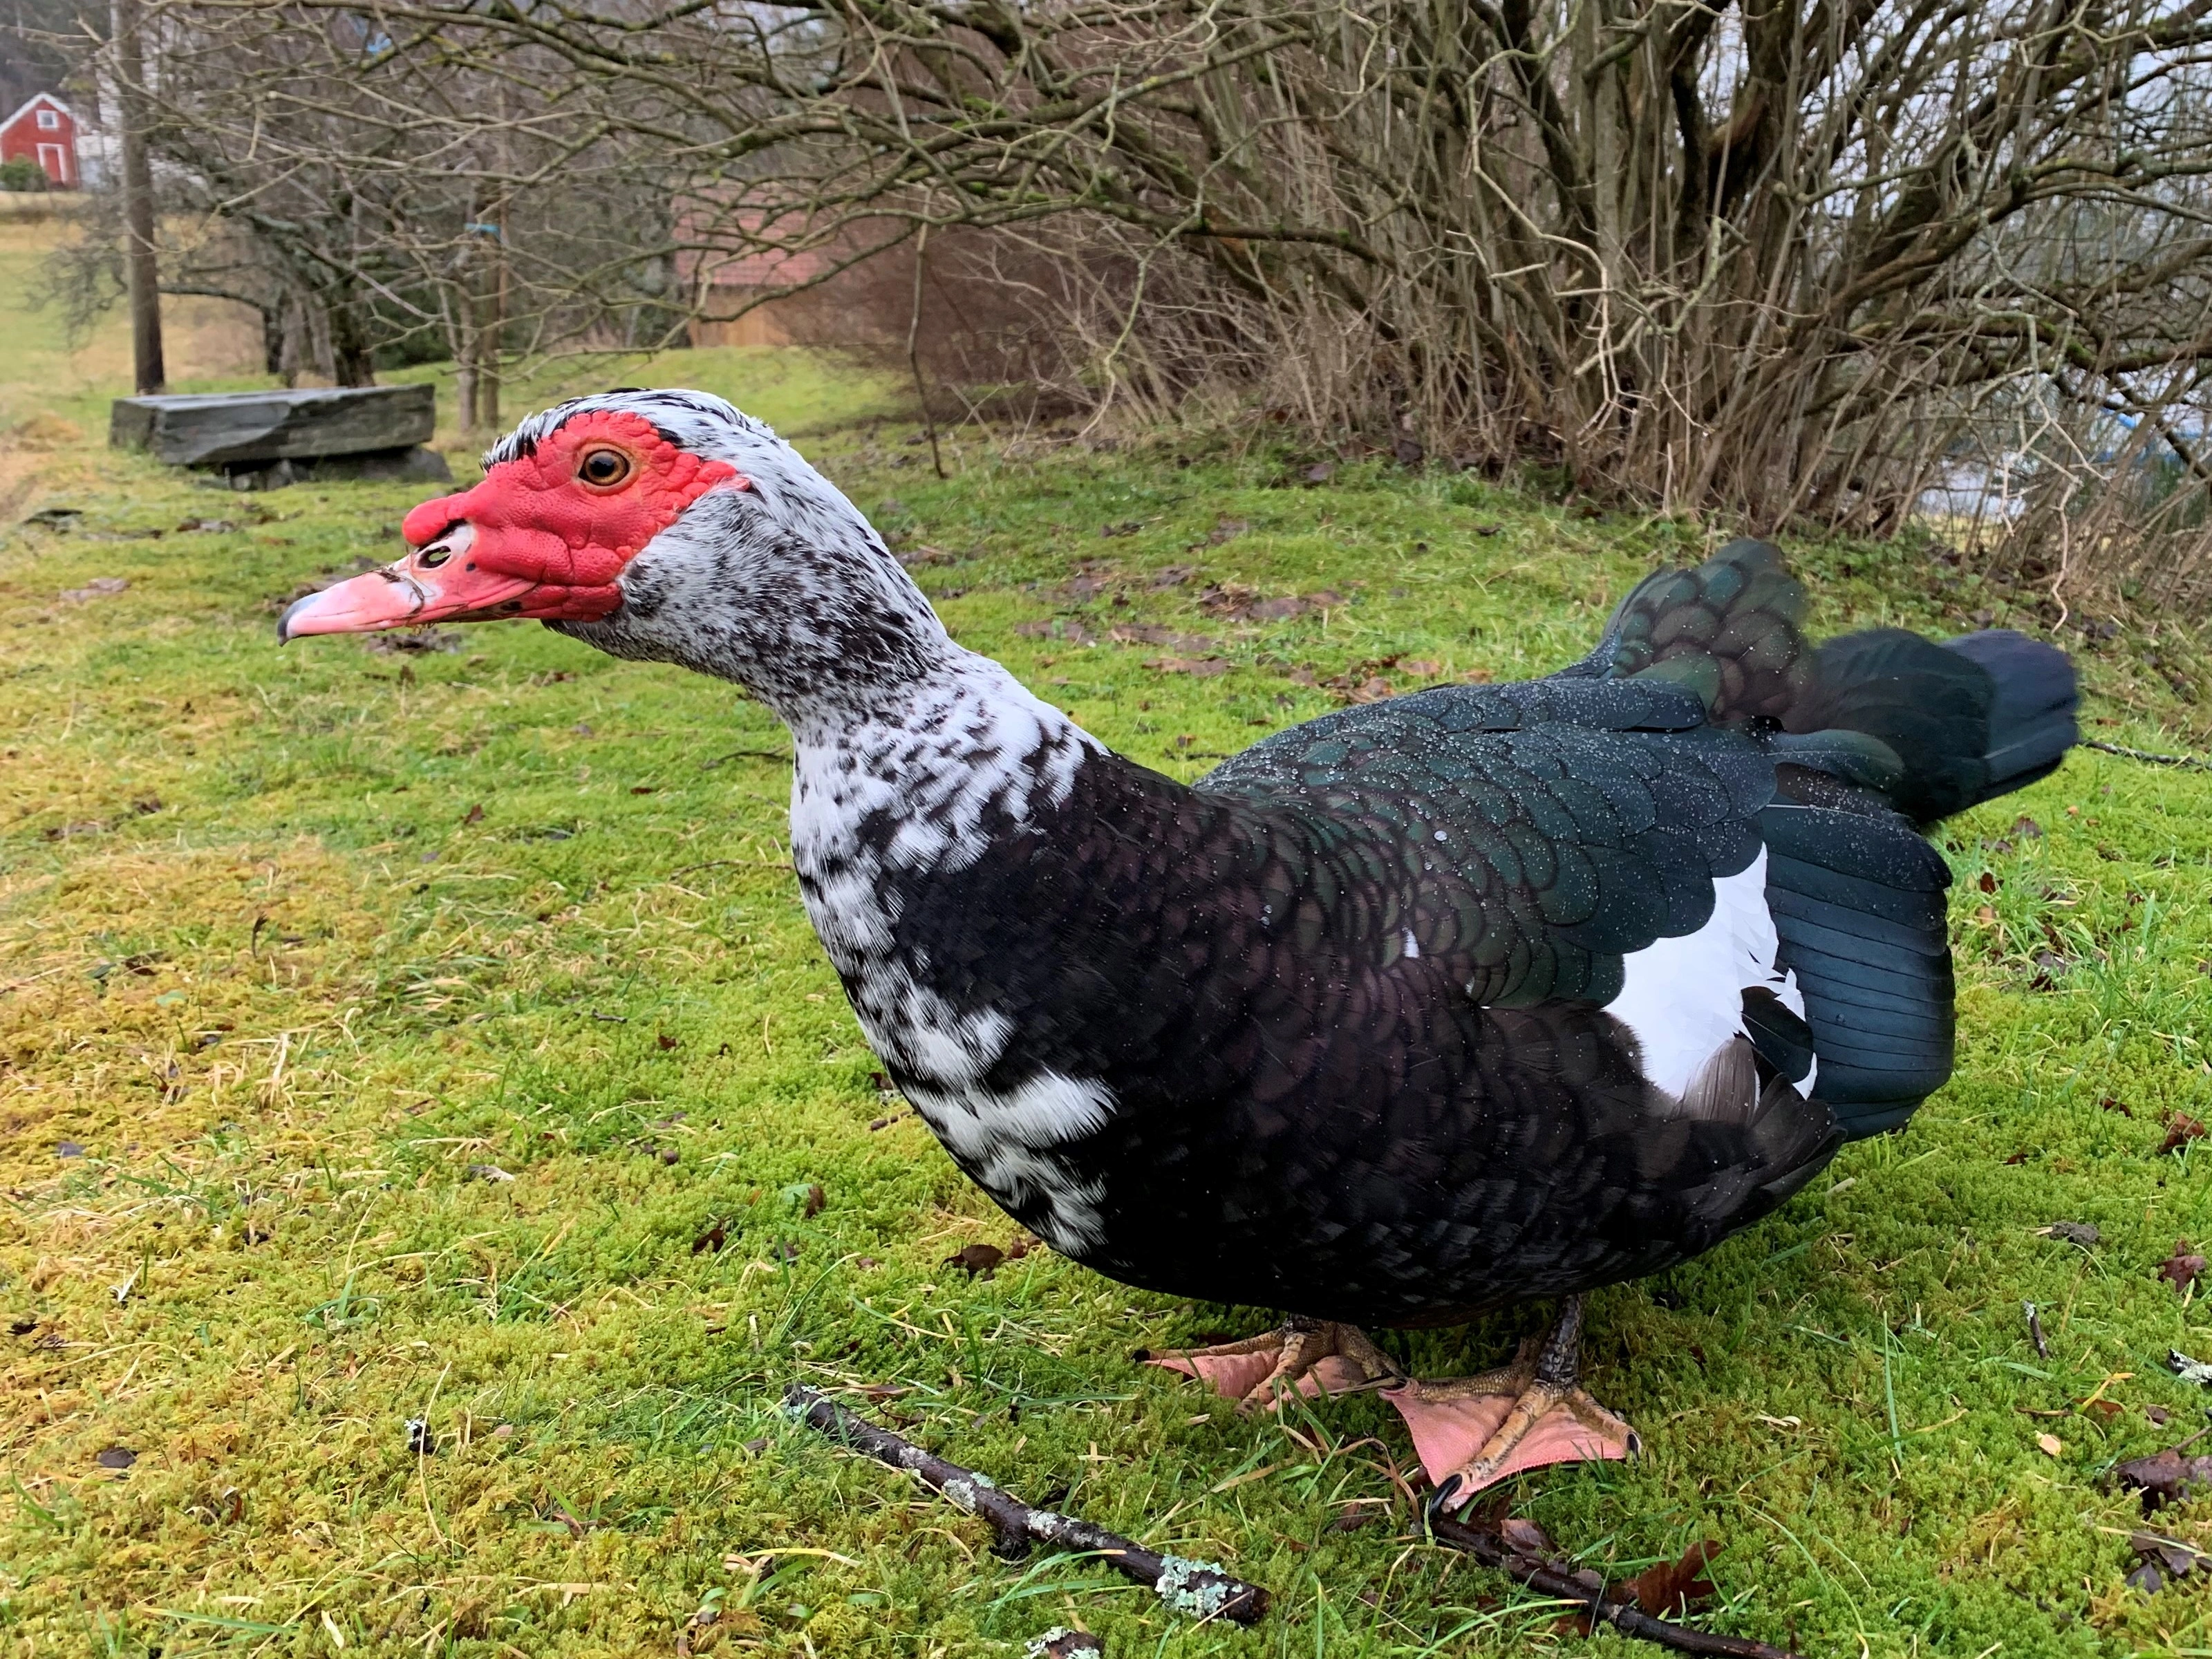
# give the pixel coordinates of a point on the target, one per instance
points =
(1776, 253)
(373, 204)
(1785, 259)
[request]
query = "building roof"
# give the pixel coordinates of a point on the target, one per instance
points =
(33, 102)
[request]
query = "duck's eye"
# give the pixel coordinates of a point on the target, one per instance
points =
(603, 469)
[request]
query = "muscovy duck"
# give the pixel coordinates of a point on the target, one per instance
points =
(1478, 995)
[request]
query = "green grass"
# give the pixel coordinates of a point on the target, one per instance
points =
(276, 1000)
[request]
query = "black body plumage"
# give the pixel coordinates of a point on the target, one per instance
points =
(1346, 996)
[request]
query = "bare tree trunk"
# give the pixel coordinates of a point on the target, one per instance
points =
(350, 361)
(489, 339)
(294, 347)
(272, 340)
(465, 379)
(141, 272)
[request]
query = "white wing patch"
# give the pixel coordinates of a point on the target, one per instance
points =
(1684, 996)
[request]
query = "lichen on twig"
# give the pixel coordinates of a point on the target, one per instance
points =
(1201, 1588)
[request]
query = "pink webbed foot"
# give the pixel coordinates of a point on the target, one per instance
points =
(1472, 1432)
(1313, 1357)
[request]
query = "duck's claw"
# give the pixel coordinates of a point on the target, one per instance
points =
(1444, 1500)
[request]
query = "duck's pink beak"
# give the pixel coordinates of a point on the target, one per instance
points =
(453, 577)
(545, 535)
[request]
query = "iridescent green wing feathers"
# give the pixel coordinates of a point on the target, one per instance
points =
(1539, 831)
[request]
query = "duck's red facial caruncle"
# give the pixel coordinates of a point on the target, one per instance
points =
(545, 535)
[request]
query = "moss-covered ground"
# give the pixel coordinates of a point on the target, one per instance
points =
(435, 1035)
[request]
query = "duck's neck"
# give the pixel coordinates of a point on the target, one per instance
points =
(804, 607)
(963, 759)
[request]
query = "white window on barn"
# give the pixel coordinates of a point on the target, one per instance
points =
(49, 120)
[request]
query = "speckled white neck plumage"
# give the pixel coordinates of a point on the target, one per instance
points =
(928, 788)
(970, 751)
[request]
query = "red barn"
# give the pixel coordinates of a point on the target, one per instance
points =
(44, 130)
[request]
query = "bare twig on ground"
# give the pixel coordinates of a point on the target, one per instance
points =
(2145, 756)
(1192, 1587)
(1558, 1578)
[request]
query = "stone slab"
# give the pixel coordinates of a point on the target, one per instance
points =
(224, 428)
(415, 465)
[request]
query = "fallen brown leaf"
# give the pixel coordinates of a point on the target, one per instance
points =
(975, 1260)
(1135, 634)
(2159, 1558)
(2165, 1477)
(1234, 602)
(1067, 629)
(1524, 1537)
(2183, 1268)
(1674, 1587)
(2180, 1130)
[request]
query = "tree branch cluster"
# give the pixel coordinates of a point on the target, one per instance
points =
(1776, 258)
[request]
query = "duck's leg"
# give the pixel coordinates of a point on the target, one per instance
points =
(1259, 1370)
(1548, 1416)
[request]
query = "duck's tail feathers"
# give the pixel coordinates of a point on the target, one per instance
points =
(1933, 728)
(1936, 728)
